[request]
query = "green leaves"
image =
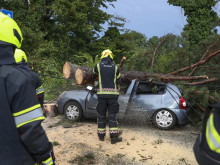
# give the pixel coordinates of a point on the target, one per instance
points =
(200, 18)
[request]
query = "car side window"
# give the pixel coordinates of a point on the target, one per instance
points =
(150, 88)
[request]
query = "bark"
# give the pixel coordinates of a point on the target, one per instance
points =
(83, 75)
(202, 82)
(69, 70)
(201, 107)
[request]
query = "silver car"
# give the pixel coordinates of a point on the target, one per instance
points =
(162, 104)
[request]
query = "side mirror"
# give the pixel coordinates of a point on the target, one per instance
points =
(89, 88)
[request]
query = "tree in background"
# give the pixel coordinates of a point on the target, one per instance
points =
(201, 18)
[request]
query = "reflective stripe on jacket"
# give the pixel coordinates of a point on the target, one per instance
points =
(212, 135)
(39, 90)
(109, 77)
(28, 115)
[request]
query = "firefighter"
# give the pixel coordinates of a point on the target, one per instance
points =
(207, 145)
(109, 79)
(21, 61)
(23, 141)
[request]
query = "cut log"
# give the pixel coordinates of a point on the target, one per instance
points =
(84, 75)
(50, 110)
(69, 70)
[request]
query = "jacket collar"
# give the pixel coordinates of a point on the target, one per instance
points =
(7, 54)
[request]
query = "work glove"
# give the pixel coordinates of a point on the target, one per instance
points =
(49, 161)
(94, 90)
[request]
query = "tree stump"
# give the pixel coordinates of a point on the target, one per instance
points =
(50, 110)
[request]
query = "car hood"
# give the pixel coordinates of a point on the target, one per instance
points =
(80, 94)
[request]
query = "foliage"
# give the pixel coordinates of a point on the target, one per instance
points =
(201, 18)
(199, 96)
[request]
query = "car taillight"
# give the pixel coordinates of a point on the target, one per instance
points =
(182, 103)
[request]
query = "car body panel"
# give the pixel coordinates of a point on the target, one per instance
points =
(133, 105)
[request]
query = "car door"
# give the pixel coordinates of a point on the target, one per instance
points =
(91, 102)
(146, 98)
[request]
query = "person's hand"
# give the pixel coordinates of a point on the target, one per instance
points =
(94, 90)
(49, 161)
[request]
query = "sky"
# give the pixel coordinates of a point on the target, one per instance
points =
(150, 17)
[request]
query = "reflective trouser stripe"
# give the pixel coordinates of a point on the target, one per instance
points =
(39, 90)
(49, 161)
(27, 117)
(212, 135)
(110, 93)
(113, 128)
(101, 129)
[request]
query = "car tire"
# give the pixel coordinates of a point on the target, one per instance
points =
(164, 119)
(73, 111)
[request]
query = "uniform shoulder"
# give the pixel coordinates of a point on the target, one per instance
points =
(13, 74)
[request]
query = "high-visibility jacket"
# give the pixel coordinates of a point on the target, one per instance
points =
(109, 76)
(23, 141)
(207, 146)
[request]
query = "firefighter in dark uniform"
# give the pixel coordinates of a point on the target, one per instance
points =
(207, 145)
(23, 141)
(21, 63)
(109, 78)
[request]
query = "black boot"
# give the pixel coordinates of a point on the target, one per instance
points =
(101, 138)
(115, 139)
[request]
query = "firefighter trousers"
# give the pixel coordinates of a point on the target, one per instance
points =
(111, 106)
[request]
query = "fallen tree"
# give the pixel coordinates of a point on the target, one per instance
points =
(84, 75)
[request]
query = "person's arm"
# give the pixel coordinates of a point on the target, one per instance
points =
(40, 91)
(118, 78)
(28, 116)
(95, 73)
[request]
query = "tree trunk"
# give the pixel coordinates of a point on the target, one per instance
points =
(83, 75)
(69, 70)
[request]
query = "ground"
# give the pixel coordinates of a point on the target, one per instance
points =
(78, 144)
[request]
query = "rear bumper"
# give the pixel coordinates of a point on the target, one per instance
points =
(183, 115)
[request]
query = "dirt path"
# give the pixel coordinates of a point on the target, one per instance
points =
(77, 143)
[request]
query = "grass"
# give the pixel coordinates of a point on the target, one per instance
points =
(55, 143)
(158, 141)
(88, 158)
(66, 123)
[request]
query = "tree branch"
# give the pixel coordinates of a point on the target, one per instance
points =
(196, 64)
(202, 82)
(155, 50)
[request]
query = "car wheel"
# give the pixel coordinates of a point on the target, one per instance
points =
(73, 111)
(164, 119)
